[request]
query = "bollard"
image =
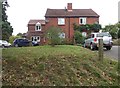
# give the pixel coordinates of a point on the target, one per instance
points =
(101, 49)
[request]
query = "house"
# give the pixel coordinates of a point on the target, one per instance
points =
(63, 18)
(36, 30)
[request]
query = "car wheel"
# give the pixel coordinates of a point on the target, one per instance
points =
(108, 48)
(92, 47)
(16, 45)
(84, 45)
(3, 46)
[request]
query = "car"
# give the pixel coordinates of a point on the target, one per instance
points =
(21, 42)
(92, 40)
(4, 43)
(35, 43)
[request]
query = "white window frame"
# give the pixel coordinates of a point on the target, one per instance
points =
(61, 21)
(39, 27)
(35, 37)
(84, 21)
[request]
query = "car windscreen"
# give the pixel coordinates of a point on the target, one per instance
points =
(103, 34)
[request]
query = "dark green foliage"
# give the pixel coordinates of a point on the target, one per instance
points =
(78, 37)
(119, 33)
(114, 30)
(90, 27)
(7, 29)
(53, 35)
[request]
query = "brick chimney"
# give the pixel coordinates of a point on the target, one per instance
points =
(69, 6)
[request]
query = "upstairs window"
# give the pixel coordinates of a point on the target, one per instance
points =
(82, 20)
(38, 27)
(61, 21)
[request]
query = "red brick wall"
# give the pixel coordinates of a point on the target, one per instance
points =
(68, 27)
(31, 32)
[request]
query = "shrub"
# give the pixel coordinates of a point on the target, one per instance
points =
(53, 36)
(79, 39)
(12, 38)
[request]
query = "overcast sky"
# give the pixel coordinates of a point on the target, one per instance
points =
(21, 11)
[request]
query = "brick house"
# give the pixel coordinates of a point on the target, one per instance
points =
(63, 18)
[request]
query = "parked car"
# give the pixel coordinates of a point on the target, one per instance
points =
(4, 43)
(35, 43)
(93, 40)
(21, 42)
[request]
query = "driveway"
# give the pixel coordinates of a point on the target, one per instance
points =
(113, 53)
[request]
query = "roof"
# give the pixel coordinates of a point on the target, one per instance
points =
(34, 21)
(73, 13)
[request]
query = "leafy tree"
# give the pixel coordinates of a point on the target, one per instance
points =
(12, 38)
(112, 29)
(78, 37)
(53, 35)
(7, 29)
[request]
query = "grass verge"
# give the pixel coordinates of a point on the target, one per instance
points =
(62, 65)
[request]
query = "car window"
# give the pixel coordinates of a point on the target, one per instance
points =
(103, 34)
(20, 40)
(25, 40)
(92, 35)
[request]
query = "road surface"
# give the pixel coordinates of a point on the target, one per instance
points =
(113, 53)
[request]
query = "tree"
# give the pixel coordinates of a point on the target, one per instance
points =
(7, 29)
(53, 35)
(112, 29)
(12, 38)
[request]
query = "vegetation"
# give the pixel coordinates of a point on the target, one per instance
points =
(114, 30)
(88, 27)
(12, 38)
(116, 42)
(79, 39)
(53, 35)
(6, 27)
(63, 65)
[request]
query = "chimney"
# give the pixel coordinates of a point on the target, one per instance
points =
(69, 6)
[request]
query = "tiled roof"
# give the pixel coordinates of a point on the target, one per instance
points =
(73, 13)
(34, 21)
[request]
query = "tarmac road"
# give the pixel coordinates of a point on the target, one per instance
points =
(113, 53)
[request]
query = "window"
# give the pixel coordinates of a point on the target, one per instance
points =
(36, 38)
(38, 27)
(61, 21)
(92, 36)
(62, 35)
(82, 20)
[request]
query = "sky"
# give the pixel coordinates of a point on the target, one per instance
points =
(21, 11)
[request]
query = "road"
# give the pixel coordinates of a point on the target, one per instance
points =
(113, 53)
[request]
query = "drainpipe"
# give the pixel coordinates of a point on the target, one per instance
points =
(69, 28)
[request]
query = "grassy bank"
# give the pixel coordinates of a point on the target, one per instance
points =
(116, 42)
(60, 65)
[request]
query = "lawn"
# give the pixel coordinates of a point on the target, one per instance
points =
(62, 65)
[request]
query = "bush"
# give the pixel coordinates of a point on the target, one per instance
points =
(53, 36)
(79, 39)
(12, 38)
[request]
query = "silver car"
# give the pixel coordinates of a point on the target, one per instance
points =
(93, 39)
